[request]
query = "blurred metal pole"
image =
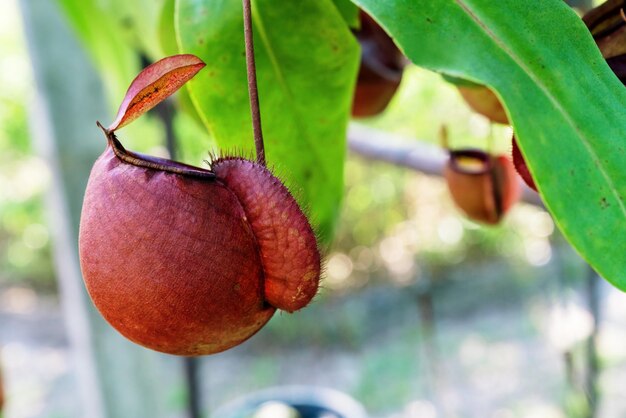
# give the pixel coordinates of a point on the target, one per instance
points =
(410, 153)
(592, 366)
(114, 377)
(427, 321)
(194, 398)
(426, 308)
(1, 393)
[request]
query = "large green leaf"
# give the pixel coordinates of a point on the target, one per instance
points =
(116, 60)
(167, 32)
(567, 108)
(140, 21)
(115, 32)
(167, 36)
(349, 12)
(307, 63)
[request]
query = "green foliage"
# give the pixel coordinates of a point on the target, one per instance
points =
(132, 30)
(349, 11)
(116, 27)
(546, 67)
(115, 58)
(139, 20)
(306, 62)
(167, 31)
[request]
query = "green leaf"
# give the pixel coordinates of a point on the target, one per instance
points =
(459, 81)
(115, 34)
(115, 28)
(115, 59)
(167, 32)
(567, 108)
(307, 62)
(140, 21)
(349, 12)
(169, 45)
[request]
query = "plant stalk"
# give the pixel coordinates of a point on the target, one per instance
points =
(252, 83)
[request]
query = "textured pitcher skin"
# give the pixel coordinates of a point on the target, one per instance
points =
(509, 183)
(186, 260)
(170, 261)
(287, 243)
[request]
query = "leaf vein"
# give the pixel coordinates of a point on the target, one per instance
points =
(585, 141)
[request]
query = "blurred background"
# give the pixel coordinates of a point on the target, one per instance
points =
(423, 313)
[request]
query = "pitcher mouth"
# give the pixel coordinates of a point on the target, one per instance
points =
(155, 163)
(483, 160)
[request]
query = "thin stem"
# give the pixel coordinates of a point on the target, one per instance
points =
(592, 364)
(192, 367)
(252, 85)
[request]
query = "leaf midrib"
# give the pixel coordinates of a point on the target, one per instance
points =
(568, 119)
